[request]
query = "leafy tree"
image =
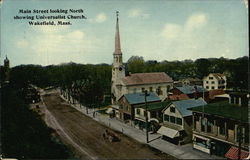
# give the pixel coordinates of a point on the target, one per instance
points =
(136, 64)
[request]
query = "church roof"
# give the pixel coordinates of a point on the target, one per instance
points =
(147, 78)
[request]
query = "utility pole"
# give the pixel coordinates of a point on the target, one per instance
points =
(240, 138)
(146, 107)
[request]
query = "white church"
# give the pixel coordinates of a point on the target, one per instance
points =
(158, 82)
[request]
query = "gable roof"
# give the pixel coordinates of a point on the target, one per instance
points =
(224, 109)
(178, 97)
(137, 98)
(155, 105)
(184, 105)
(215, 92)
(191, 89)
(147, 78)
(218, 76)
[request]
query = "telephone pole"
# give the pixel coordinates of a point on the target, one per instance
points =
(146, 108)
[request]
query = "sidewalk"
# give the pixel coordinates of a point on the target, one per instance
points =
(155, 141)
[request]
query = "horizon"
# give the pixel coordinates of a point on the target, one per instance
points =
(159, 30)
(102, 63)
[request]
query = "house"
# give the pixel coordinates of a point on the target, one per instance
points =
(154, 113)
(220, 127)
(215, 81)
(188, 92)
(217, 95)
(158, 82)
(191, 81)
(128, 102)
(177, 120)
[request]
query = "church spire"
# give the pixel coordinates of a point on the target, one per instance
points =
(117, 36)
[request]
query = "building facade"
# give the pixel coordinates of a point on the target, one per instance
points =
(215, 81)
(221, 126)
(177, 120)
(128, 102)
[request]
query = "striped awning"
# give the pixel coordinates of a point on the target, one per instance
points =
(232, 153)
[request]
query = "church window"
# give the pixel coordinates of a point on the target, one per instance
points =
(134, 90)
(142, 89)
(168, 88)
(151, 89)
(159, 91)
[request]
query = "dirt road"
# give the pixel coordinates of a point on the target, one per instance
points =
(84, 135)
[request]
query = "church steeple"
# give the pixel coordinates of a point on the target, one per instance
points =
(117, 36)
(118, 70)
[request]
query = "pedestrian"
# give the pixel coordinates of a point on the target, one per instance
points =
(94, 114)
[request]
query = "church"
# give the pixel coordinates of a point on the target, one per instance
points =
(157, 82)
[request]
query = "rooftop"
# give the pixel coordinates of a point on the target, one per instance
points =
(137, 98)
(147, 78)
(226, 110)
(155, 105)
(184, 105)
(218, 76)
(191, 89)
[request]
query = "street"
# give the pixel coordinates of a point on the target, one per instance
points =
(83, 135)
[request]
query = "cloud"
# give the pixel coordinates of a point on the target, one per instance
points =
(54, 45)
(78, 35)
(171, 31)
(193, 22)
(196, 21)
(100, 18)
(188, 37)
(135, 13)
(22, 43)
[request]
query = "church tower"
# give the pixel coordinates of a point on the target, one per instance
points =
(118, 69)
(6, 70)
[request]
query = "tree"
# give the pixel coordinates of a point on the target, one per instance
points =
(136, 64)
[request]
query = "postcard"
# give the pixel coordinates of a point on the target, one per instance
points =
(135, 79)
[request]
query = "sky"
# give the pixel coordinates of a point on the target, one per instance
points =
(154, 29)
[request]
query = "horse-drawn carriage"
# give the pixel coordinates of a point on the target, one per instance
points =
(111, 136)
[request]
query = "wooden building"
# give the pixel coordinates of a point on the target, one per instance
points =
(220, 126)
(128, 102)
(177, 120)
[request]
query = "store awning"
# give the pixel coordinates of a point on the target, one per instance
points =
(232, 153)
(168, 132)
(109, 110)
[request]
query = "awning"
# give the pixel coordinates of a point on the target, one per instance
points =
(168, 132)
(232, 153)
(109, 111)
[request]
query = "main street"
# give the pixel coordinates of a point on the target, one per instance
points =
(84, 136)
